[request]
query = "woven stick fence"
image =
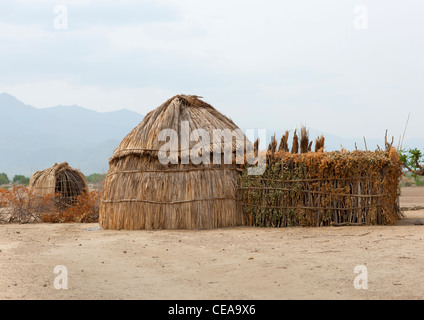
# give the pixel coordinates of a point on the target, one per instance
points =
(323, 188)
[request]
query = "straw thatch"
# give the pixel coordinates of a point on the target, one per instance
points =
(142, 193)
(305, 146)
(61, 180)
(295, 145)
(284, 142)
(319, 143)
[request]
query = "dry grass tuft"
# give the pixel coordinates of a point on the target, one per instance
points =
(295, 145)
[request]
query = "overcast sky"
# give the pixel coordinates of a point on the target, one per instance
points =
(266, 64)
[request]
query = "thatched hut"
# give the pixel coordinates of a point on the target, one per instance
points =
(60, 179)
(140, 192)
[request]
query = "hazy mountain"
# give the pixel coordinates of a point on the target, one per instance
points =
(32, 139)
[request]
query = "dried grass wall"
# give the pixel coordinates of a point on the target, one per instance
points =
(324, 188)
(141, 193)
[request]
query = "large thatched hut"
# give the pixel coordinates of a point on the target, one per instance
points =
(60, 179)
(141, 192)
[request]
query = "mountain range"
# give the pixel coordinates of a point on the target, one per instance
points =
(32, 139)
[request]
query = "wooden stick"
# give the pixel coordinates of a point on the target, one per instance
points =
(319, 203)
(315, 192)
(404, 131)
(359, 217)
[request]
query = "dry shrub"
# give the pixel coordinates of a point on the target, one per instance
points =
(4, 198)
(85, 208)
(25, 207)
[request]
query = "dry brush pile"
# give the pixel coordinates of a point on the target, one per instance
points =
(21, 205)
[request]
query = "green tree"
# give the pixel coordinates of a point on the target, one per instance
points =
(96, 178)
(412, 161)
(4, 179)
(20, 179)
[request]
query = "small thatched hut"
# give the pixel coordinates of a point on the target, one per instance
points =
(140, 192)
(59, 179)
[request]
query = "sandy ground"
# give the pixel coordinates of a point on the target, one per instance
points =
(233, 263)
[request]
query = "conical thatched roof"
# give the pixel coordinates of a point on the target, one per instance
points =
(144, 139)
(59, 179)
(140, 192)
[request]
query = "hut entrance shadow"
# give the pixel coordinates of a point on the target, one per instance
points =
(68, 187)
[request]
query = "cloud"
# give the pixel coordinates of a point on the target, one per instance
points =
(44, 94)
(85, 14)
(270, 63)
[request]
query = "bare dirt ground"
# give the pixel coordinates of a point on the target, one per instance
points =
(233, 263)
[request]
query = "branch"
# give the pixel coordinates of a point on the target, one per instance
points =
(418, 172)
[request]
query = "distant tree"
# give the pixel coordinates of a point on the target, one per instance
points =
(4, 179)
(412, 161)
(96, 178)
(20, 179)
